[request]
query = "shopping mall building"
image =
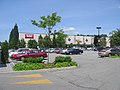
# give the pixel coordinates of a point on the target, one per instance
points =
(88, 40)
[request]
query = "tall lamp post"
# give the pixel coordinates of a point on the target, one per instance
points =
(98, 28)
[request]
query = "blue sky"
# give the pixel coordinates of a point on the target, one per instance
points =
(78, 16)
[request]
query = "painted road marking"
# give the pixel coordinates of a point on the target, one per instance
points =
(44, 81)
(29, 75)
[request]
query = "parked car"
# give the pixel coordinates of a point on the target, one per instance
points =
(27, 54)
(18, 51)
(73, 51)
(99, 48)
(109, 52)
(89, 48)
(51, 50)
(58, 50)
(63, 51)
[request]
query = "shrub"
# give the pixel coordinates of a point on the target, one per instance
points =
(59, 59)
(4, 53)
(33, 60)
(65, 64)
(62, 64)
(73, 64)
(28, 66)
(67, 59)
(50, 65)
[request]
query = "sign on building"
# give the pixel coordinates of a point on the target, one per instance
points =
(29, 35)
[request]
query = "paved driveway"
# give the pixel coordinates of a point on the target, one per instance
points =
(93, 73)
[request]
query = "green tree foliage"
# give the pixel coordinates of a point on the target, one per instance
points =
(4, 46)
(103, 42)
(21, 43)
(115, 38)
(47, 22)
(78, 42)
(100, 40)
(103, 35)
(61, 39)
(96, 40)
(14, 37)
(47, 41)
(54, 43)
(32, 44)
(71, 45)
(41, 42)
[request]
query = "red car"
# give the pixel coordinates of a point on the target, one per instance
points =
(57, 50)
(28, 54)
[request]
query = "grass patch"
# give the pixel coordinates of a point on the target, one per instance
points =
(114, 56)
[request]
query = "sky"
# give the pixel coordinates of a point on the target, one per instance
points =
(77, 16)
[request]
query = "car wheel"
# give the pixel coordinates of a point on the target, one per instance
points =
(109, 55)
(70, 53)
(22, 58)
(42, 57)
(80, 53)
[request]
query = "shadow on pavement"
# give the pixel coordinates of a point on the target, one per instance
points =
(3, 65)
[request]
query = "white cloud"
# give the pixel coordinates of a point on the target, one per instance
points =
(68, 29)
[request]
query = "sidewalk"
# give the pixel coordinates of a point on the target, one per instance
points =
(6, 68)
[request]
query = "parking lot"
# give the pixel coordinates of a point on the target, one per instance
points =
(93, 73)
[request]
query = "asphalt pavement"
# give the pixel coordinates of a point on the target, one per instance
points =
(93, 73)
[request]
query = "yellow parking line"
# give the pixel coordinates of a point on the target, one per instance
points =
(29, 75)
(45, 81)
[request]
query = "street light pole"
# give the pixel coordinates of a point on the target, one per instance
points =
(98, 28)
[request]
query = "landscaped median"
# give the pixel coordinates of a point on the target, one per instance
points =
(115, 56)
(36, 63)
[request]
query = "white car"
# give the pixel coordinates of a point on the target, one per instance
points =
(64, 50)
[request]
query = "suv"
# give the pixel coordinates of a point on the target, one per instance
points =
(73, 51)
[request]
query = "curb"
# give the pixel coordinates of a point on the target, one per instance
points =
(41, 70)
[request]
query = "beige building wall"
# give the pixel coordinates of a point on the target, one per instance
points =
(82, 39)
(88, 40)
(108, 42)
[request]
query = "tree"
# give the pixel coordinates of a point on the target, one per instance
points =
(41, 42)
(96, 43)
(103, 35)
(54, 43)
(47, 22)
(115, 38)
(78, 42)
(103, 41)
(61, 38)
(4, 46)
(71, 45)
(32, 44)
(21, 43)
(47, 41)
(14, 37)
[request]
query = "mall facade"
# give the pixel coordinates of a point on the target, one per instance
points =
(74, 39)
